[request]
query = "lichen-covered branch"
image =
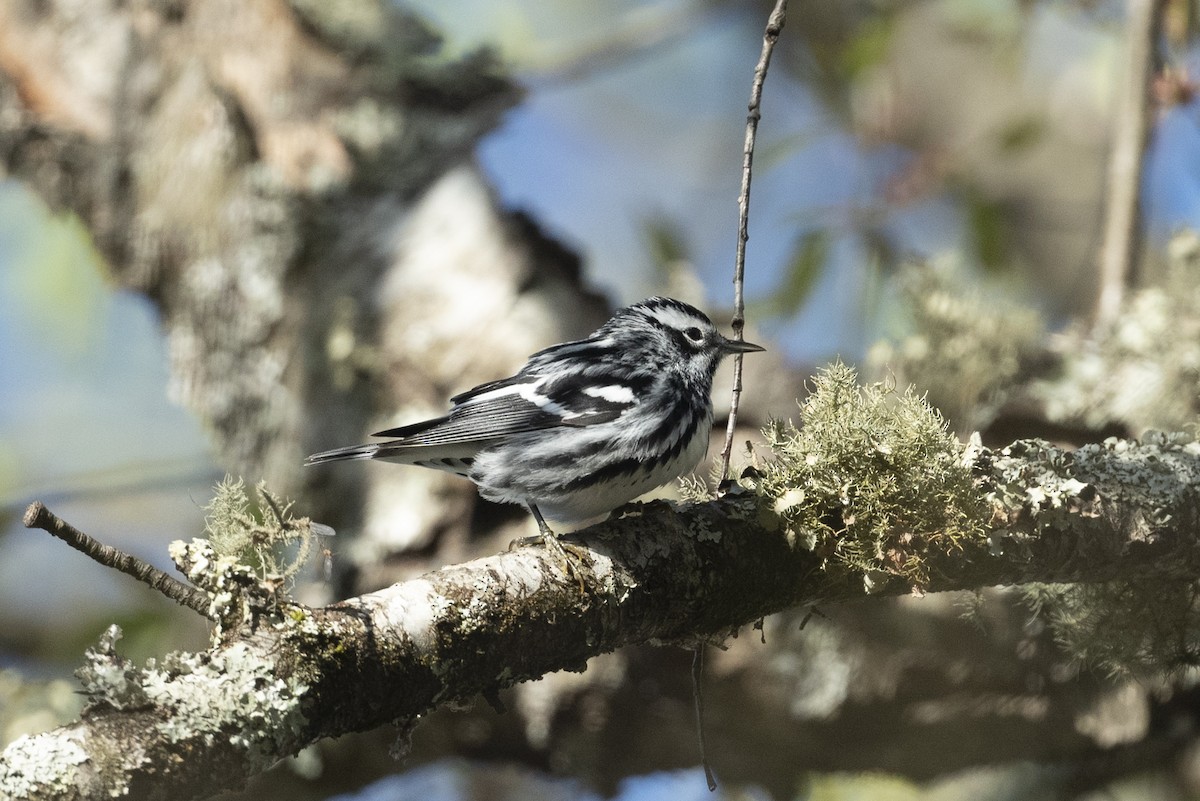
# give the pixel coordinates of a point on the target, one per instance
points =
(283, 676)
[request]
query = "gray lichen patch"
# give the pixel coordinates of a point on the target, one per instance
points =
(1133, 624)
(42, 766)
(233, 695)
(241, 600)
(226, 580)
(1160, 474)
(108, 678)
(1151, 481)
(1031, 479)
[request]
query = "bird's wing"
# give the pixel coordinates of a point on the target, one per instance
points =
(517, 405)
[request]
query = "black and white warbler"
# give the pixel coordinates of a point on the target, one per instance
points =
(585, 426)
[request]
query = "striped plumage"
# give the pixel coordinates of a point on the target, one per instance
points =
(585, 426)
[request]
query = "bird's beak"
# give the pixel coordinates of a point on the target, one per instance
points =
(739, 346)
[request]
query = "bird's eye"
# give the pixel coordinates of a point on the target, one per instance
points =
(694, 334)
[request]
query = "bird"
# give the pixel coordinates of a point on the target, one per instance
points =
(585, 426)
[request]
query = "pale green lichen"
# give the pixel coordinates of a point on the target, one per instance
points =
(269, 539)
(871, 479)
(693, 489)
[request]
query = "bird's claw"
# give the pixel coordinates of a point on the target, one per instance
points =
(572, 557)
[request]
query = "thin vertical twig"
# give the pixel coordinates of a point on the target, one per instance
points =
(753, 114)
(1119, 239)
(698, 697)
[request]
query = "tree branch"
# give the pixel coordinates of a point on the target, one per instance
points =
(658, 574)
(38, 516)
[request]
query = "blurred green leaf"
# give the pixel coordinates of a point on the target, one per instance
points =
(985, 222)
(875, 303)
(868, 46)
(666, 244)
(880, 249)
(808, 257)
(55, 265)
(1022, 133)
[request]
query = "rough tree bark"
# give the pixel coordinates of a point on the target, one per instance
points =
(283, 675)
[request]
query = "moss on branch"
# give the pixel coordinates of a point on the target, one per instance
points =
(871, 479)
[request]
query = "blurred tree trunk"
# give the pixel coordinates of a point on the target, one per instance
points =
(291, 184)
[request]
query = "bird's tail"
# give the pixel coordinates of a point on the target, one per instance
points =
(342, 454)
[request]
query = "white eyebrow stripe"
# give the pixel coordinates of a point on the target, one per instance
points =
(613, 393)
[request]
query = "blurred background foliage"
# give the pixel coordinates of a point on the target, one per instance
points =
(910, 151)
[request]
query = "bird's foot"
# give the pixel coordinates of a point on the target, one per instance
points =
(572, 557)
(569, 555)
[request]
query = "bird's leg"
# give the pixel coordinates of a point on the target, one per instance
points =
(543, 528)
(545, 536)
(564, 551)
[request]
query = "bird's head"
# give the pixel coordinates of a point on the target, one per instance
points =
(669, 333)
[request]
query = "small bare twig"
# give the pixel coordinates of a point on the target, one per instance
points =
(753, 114)
(1118, 247)
(38, 516)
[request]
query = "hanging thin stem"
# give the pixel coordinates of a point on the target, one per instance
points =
(698, 697)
